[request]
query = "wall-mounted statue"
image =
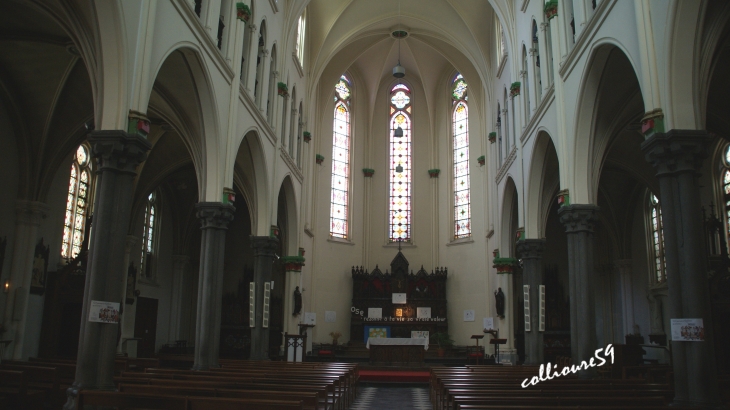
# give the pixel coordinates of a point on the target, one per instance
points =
(499, 298)
(297, 302)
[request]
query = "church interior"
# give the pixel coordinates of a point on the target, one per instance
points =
(216, 189)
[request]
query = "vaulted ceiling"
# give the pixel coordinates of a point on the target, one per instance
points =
(443, 35)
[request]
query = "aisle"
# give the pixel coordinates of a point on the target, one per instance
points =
(383, 398)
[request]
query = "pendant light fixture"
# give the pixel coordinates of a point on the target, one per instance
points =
(398, 70)
(399, 168)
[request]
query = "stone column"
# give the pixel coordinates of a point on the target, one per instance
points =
(214, 219)
(579, 221)
(117, 155)
(253, 51)
(264, 84)
(28, 217)
(128, 311)
(677, 156)
(530, 251)
(545, 62)
(180, 283)
(264, 248)
(626, 290)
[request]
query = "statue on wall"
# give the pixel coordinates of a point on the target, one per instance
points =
(499, 298)
(297, 302)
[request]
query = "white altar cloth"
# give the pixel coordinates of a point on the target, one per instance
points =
(398, 341)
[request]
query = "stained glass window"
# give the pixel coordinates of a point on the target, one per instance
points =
(726, 190)
(301, 26)
(460, 121)
(77, 204)
(400, 160)
(340, 161)
(148, 234)
(657, 233)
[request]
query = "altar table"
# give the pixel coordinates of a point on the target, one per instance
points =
(397, 351)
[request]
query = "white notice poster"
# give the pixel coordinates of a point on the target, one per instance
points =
(688, 330)
(423, 313)
(104, 312)
(399, 298)
(310, 318)
(468, 316)
(330, 316)
(488, 323)
(375, 313)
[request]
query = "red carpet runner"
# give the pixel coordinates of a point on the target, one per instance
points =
(394, 376)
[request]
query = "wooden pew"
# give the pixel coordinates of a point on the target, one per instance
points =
(124, 401)
(14, 386)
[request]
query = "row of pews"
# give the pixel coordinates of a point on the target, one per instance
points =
(500, 387)
(42, 383)
(39, 384)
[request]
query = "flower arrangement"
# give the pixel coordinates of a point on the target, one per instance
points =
(481, 160)
(514, 89)
(243, 12)
(492, 137)
(368, 172)
(283, 89)
(335, 336)
(434, 173)
(319, 159)
(307, 136)
(551, 9)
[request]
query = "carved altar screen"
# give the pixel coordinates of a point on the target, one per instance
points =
(375, 290)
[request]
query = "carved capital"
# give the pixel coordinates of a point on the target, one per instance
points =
(265, 52)
(676, 151)
(531, 248)
(30, 212)
(264, 245)
(533, 51)
(544, 26)
(523, 73)
(252, 27)
(578, 218)
(118, 151)
(214, 215)
(275, 74)
(504, 111)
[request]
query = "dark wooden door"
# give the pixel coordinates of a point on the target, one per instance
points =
(145, 326)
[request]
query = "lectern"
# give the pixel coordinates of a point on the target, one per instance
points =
(496, 343)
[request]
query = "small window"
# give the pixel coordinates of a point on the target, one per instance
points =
(460, 124)
(77, 204)
(148, 237)
(657, 235)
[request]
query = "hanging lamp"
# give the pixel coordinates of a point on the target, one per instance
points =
(398, 70)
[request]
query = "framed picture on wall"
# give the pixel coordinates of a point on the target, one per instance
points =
(40, 268)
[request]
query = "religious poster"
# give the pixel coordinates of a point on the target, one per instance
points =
(468, 316)
(104, 312)
(330, 316)
(423, 313)
(376, 331)
(419, 334)
(688, 330)
(375, 313)
(131, 284)
(399, 298)
(40, 268)
(310, 318)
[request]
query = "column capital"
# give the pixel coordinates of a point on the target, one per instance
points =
(532, 51)
(275, 74)
(180, 259)
(676, 151)
(265, 52)
(118, 150)
(623, 266)
(264, 245)
(578, 217)
(30, 212)
(215, 215)
(252, 27)
(523, 73)
(531, 248)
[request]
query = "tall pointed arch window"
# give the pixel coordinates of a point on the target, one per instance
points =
(460, 122)
(340, 161)
(657, 235)
(77, 203)
(301, 26)
(400, 163)
(726, 190)
(148, 236)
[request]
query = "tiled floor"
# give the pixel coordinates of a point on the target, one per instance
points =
(385, 398)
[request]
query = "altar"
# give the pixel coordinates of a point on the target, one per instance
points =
(398, 303)
(397, 350)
